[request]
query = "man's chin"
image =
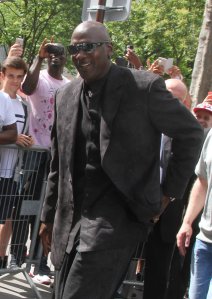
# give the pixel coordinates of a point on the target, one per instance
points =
(55, 64)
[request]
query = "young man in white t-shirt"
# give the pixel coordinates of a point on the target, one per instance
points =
(13, 72)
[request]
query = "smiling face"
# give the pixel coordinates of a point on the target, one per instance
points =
(11, 80)
(204, 117)
(94, 64)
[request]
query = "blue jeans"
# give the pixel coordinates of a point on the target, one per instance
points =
(201, 271)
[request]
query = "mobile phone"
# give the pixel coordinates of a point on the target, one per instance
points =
(162, 61)
(19, 41)
(166, 63)
(169, 64)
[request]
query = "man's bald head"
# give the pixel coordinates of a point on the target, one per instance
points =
(177, 88)
(92, 50)
(95, 30)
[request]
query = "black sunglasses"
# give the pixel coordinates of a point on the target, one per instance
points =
(86, 47)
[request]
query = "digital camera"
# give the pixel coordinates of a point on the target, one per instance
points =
(55, 49)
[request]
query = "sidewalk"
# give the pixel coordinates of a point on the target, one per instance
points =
(16, 286)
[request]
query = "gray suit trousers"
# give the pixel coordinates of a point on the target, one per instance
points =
(93, 274)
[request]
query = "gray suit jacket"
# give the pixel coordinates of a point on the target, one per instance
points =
(136, 109)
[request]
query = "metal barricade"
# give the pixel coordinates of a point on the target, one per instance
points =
(23, 174)
(133, 285)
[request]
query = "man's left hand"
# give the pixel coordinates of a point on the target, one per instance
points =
(46, 236)
(164, 205)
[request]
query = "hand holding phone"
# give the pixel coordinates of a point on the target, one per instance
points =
(166, 63)
(19, 41)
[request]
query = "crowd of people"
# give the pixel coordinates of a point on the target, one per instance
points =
(124, 146)
(34, 119)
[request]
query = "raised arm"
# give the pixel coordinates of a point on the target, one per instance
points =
(31, 80)
(133, 59)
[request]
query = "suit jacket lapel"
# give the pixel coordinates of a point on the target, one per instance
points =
(73, 99)
(113, 91)
(112, 95)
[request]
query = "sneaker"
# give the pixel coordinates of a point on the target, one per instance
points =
(44, 268)
(32, 271)
(42, 279)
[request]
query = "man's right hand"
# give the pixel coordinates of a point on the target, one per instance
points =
(43, 53)
(133, 59)
(15, 50)
(183, 238)
(155, 67)
(175, 73)
(24, 140)
(46, 236)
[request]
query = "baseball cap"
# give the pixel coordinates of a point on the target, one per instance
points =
(204, 106)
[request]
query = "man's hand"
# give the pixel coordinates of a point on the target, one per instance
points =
(155, 67)
(46, 236)
(175, 73)
(24, 140)
(15, 50)
(133, 58)
(183, 238)
(164, 204)
(42, 53)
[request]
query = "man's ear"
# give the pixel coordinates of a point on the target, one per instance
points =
(110, 50)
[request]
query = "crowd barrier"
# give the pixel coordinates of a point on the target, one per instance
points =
(23, 174)
(133, 285)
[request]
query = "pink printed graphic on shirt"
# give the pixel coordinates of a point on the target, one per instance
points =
(42, 108)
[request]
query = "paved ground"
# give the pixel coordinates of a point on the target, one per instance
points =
(15, 286)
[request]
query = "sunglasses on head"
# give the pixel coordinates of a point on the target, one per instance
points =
(85, 47)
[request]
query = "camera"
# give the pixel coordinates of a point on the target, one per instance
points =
(128, 47)
(55, 49)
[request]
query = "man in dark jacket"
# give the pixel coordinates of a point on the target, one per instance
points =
(104, 184)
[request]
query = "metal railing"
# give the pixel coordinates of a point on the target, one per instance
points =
(23, 175)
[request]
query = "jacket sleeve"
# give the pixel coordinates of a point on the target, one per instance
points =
(173, 119)
(50, 200)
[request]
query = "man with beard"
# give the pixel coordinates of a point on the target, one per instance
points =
(103, 189)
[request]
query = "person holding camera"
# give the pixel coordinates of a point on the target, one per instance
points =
(40, 87)
(133, 61)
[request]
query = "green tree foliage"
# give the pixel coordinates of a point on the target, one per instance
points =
(166, 28)
(161, 28)
(36, 19)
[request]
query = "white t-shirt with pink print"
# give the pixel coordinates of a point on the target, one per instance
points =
(42, 108)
